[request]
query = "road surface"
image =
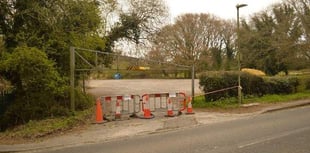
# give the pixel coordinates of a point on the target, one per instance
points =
(286, 131)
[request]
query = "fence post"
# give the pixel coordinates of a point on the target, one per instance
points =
(193, 82)
(72, 68)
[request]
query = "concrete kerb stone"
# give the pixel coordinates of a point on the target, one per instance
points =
(298, 103)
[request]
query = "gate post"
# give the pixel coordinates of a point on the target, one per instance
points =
(193, 82)
(72, 68)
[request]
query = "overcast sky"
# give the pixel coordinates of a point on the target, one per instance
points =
(225, 9)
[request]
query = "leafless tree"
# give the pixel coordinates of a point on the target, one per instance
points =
(192, 38)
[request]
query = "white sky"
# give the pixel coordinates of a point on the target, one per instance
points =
(225, 9)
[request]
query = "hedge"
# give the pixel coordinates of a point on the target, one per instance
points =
(251, 84)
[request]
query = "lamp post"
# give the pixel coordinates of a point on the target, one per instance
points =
(238, 46)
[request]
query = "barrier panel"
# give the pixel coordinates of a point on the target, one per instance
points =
(114, 107)
(189, 110)
(175, 102)
(146, 107)
(125, 106)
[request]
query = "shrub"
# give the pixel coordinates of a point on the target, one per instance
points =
(280, 85)
(40, 92)
(83, 101)
(307, 84)
(254, 71)
(251, 84)
(215, 81)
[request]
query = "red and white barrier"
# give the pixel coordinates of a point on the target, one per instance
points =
(189, 106)
(118, 114)
(169, 110)
(146, 107)
(118, 107)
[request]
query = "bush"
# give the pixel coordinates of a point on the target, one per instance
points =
(40, 92)
(280, 85)
(252, 85)
(253, 71)
(83, 101)
(307, 84)
(39, 106)
(216, 81)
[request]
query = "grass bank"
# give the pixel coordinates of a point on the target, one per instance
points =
(38, 129)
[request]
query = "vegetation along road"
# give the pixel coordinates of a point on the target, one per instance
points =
(283, 131)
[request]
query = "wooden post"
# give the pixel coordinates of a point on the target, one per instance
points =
(72, 68)
(193, 83)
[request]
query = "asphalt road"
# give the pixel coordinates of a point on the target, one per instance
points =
(286, 131)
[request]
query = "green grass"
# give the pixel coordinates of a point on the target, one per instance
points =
(233, 102)
(279, 98)
(37, 129)
(224, 103)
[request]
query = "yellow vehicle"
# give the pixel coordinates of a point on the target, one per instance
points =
(138, 68)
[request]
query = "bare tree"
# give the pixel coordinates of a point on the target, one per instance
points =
(190, 39)
(152, 14)
(229, 37)
(109, 14)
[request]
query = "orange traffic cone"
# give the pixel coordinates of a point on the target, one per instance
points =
(99, 115)
(169, 111)
(118, 110)
(146, 108)
(189, 107)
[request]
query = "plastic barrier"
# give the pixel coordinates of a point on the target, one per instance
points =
(146, 107)
(182, 101)
(189, 109)
(158, 101)
(119, 107)
(115, 107)
(118, 113)
(175, 102)
(169, 109)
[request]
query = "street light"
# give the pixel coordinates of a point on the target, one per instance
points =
(238, 46)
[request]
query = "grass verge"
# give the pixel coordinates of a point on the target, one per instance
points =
(43, 128)
(229, 103)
